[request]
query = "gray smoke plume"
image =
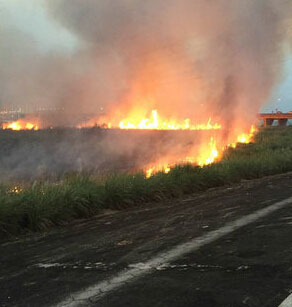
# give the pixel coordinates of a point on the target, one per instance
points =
(188, 58)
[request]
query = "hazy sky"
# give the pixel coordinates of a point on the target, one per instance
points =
(282, 95)
(31, 17)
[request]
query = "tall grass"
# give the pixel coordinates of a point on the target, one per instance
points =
(42, 205)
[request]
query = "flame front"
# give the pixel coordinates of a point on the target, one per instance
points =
(20, 125)
(208, 154)
(205, 153)
(209, 151)
(155, 123)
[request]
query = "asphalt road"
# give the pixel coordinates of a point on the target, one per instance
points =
(249, 266)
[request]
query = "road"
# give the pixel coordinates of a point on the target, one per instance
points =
(214, 249)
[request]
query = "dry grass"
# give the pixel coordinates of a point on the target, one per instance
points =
(41, 205)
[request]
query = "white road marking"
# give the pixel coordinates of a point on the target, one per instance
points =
(100, 289)
(287, 302)
(49, 265)
(77, 265)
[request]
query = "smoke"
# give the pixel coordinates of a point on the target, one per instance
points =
(50, 154)
(28, 78)
(185, 58)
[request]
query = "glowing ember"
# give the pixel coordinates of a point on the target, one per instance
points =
(155, 123)
(20, 125)
(15, 190)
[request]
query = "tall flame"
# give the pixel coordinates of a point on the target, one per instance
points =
(209, 155)
(154, 122)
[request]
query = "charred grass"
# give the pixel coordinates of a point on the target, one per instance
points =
(41, 205)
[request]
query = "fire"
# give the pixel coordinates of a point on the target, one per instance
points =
(245, 138)
(208, 154)
(165, 168)
(156, 123)
(20, 125)
(15, 190)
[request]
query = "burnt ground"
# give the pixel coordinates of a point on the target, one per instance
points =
(50, 154)
(250, 267)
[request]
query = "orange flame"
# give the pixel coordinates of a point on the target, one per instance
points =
(164, 168)
(244, 138)
(208, 154)
(20, 125)
(154, 122)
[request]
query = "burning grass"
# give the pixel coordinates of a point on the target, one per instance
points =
(41, 205)
(21, 124)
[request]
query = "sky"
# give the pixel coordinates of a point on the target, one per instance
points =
(31, 17)
(281, 98)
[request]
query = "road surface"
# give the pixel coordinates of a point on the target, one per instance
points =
(228, 247)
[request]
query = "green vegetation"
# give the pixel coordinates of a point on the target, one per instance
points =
(41, 205)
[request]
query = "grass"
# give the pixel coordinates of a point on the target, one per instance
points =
(41, 205)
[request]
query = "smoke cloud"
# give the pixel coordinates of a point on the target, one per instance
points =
(185, 58)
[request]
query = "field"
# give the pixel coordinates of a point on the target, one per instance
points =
(42, 204)
(54, 153)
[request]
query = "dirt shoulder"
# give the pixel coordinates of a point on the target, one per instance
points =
(41, 270)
